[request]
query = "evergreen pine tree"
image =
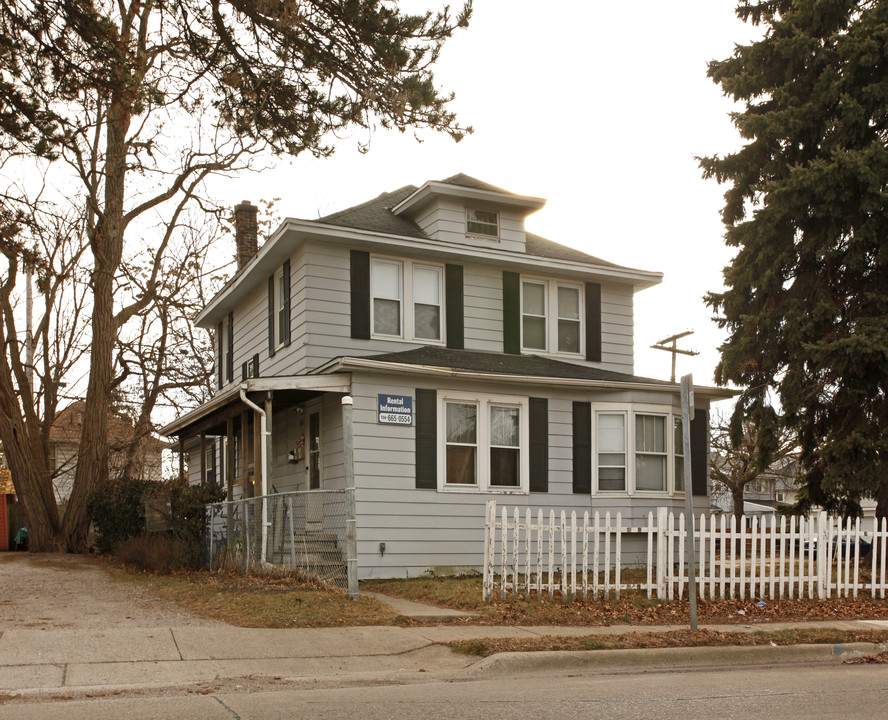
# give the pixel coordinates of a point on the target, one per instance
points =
(806, 299)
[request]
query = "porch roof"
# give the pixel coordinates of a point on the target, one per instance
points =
(335, 382)
(433, 360)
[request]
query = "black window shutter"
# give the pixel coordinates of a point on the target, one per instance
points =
(286, 329)
(511, 313)
(271, 316)
(453, 298)
(360, 294)
(243, 371)
(220, 357)
(699, 452)
(593, 322)
(256, 365)
(582, 447)
(229, 356)
(426, 439)
(539, 445)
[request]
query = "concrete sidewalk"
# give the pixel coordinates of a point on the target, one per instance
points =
(37, 662)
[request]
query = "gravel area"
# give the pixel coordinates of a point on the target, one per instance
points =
(44, 590)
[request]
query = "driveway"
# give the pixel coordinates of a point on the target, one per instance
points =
(48, 590)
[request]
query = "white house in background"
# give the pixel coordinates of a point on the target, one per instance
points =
(484, 362)
(64, 444)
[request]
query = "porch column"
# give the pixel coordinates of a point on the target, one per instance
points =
(257, 453)
(229, 458)
(203, 458)
(244, 454)
(351, 521)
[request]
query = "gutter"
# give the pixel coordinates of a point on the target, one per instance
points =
(263, 431)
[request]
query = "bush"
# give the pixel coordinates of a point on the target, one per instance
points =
(117, 510)
(188, 516)
(155, 552)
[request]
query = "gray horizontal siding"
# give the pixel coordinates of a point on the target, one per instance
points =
(425, 529)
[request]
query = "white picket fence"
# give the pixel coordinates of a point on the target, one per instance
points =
(529, 556)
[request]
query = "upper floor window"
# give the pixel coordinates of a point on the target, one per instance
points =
(550, 317)
(482, 222)
(282, 298)
(407, 299)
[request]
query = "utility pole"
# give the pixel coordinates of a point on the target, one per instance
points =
(663, 345)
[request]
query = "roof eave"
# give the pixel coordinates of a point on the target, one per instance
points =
(434, 188)
(356, 363)
(274, 252)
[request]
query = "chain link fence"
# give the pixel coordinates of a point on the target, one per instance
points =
(305, 532)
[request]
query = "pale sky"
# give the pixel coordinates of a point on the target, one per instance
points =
(598, 107)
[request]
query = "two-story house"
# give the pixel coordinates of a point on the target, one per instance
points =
(483, 361)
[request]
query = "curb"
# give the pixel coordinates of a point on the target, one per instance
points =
(658, 659)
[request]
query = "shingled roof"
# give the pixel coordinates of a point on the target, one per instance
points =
(376, 216)
(506, 364)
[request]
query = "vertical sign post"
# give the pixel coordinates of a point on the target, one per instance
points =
(687, 414)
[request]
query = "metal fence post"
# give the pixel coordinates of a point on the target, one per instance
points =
(351, 522)
(247, 533)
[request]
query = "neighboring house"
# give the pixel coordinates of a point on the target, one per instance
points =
(484, 362)
(64, 443)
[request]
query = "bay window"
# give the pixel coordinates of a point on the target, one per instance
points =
(650, 452)
(637, 450)
(678, 452)
(612, 451)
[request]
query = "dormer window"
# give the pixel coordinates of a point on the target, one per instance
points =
(482, 222)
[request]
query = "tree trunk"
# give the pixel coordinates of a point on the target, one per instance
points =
(107, 248)
(33, 486)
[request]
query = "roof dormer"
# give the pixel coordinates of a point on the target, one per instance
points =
(464, 210)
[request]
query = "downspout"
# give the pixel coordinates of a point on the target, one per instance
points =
(264, 450)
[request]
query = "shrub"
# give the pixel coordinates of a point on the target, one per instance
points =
(117, 510)
(188, 516)
(155, 552)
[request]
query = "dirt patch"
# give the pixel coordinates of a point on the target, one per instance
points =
(48, 591)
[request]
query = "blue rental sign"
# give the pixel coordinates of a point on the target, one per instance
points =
(395, 410)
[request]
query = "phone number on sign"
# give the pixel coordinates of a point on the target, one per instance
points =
(395, 419)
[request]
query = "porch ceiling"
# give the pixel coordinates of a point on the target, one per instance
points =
(228, 402)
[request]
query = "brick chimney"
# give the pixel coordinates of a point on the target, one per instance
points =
(245, 232)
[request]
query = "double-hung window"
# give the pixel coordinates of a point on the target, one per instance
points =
(611, 451)
(650, 452)
(678, 452)
(637, 450)
(485, 443)
(551, 319)
(386, 288)
(426, 303)
(407, 300)
(283, 320)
